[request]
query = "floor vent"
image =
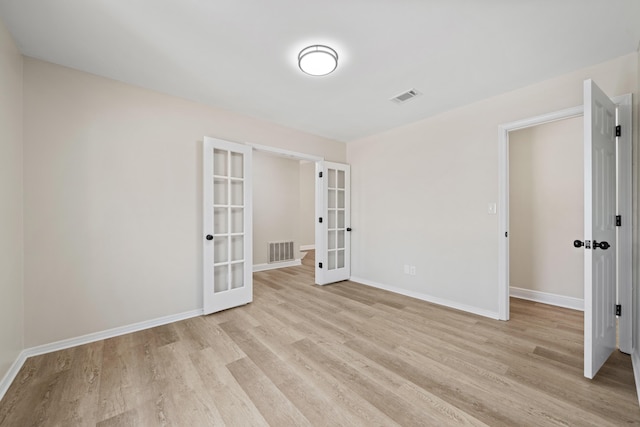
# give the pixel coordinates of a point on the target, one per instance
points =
(405, 96)
(280, 251)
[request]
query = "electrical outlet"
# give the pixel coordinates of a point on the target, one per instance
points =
(412, 270)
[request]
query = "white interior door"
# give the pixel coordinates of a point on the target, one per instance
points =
(599, 228)
(227, 225)
(333, 211)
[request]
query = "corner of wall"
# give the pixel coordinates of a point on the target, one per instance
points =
(635, 362)
(12, 337)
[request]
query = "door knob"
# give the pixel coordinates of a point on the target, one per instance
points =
(580, 243)
(602, 245)
(209, 237)
(348, 228)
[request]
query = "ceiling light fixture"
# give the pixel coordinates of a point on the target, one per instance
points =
(318, 60)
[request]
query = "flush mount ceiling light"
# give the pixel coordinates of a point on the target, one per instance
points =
(318, 60)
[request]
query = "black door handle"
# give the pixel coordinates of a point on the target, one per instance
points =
(578, 243)
(602, 245)
(209, 237)
(348, 228)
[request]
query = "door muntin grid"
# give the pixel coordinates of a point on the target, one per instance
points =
(228, 220)
(336, 224)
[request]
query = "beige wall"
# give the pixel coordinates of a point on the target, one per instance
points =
(113, 202)
(11, 193)
(307, 203)
(546, 208)
(420, 192)
(276, 201)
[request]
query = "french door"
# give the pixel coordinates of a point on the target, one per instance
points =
(227, 225)
(333, 227)
(599, 228)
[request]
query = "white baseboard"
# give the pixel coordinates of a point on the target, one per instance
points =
(276, 265)
(547, 298)
(428, 298)
(11, 374)
(307, 247)
(89, 338)
(635, 361)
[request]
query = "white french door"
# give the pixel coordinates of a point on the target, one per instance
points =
(599, 228)
(333, 227)
(227, 225)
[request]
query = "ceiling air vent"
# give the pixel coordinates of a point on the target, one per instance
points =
(405, 96)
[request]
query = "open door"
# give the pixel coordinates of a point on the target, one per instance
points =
(227, 226)
(333, 211)
(599, 228)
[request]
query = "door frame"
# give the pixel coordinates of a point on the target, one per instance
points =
(624, 200)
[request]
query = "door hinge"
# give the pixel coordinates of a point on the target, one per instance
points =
(319, 265)
(618, 220)
(618, 310)
(618, 130)
(319, 174)
(320, 220)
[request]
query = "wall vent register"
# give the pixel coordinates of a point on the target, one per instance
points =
(281, 251)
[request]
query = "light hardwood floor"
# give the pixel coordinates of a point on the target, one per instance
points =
(339, 355)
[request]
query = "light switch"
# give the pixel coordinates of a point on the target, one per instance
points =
(493, 209)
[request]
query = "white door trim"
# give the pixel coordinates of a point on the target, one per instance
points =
(286, 153)
(624, 177)
(503, 195)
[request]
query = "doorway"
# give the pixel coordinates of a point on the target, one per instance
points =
(228, 221)
(332, 213)
(624, 208)
(546, 206)
(283, 210)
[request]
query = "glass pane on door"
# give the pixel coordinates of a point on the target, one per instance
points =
(220, 189)
(220, 220)
(237, 220)
(220, 162)
(220, 249)
(237, 195)
(220, 278)
(237, 248)
(236, 167)
(237, 275)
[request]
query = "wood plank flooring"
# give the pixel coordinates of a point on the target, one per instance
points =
(339, 355)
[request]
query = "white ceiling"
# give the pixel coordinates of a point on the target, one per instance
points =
(241, 55)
